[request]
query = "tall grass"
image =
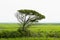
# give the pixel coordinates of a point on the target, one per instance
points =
(38, 31)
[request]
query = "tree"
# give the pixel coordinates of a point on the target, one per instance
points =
(27, 17)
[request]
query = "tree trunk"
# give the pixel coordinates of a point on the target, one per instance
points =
(23, 27)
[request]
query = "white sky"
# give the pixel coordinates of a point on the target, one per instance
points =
(49, 8)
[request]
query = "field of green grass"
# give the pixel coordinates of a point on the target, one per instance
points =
(30, 38)
(33, 28)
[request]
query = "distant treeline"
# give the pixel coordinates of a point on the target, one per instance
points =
(47, 23)
(36, 23)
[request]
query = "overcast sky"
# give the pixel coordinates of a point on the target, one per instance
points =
(49, 8)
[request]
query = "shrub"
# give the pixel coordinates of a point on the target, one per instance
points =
(53, 34)
(7, 34)
(25, 33)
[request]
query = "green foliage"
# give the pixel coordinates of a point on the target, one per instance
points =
(7, 34)
(30, 38)
(24, 33)
(55, 34)
(37, 30)
(32, 12)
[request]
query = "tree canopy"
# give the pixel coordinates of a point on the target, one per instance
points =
(32, 12)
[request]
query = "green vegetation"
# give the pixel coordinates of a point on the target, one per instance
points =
(8, 26)
(37, 27)
(30, 38)
(44, 31)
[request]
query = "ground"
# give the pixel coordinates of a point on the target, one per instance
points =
(34, 28)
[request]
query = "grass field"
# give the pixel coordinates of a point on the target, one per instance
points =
(34, 28)
(30, 38)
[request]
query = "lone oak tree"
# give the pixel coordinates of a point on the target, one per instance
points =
(27, 17)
